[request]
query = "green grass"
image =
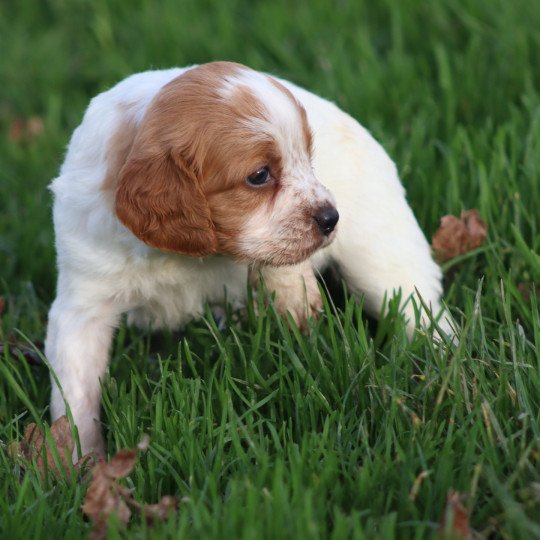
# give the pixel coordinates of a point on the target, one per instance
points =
(263, 432)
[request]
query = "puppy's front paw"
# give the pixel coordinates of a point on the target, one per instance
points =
(296, 291)
(302, 302)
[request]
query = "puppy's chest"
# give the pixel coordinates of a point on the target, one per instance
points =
(172, 291)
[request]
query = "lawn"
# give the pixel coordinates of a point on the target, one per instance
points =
(352, 431)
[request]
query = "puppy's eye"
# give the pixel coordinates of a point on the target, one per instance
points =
(259, 177)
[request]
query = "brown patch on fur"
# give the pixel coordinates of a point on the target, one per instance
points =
(244, 104)
(232, 199)
(183, 187)
(185, 175)
(306, 129)
(160, 201)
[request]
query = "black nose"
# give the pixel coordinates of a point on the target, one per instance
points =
(327, 219)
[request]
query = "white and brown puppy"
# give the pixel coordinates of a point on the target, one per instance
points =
(178, 182)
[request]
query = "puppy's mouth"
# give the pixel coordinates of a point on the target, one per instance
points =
(297, 249)
(290, 241)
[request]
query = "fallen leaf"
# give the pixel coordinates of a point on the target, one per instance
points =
(456, 236)
(121, 464)
(160, 510)
(34, 446)
(106, 496)
(157, 511)
(16, 130)
(454, 523)
(34, 127)
(25, 130)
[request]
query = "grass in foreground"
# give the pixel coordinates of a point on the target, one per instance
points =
(352, 431)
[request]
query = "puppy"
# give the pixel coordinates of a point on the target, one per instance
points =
(181, 184)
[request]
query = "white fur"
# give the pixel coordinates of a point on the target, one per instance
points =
(105, 271)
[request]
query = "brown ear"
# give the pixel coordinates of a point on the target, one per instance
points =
(160, 200)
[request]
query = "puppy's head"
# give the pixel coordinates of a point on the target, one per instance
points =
(221, 163)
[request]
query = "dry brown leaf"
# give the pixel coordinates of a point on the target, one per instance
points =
(105, 496)
(160, 510)
(456, 236)
(2, 305)
(33, 439)
(34, 127)
(157, 511)
(61, 434)
(121, 464)
(35, 446)
(454, 524)
(26, 130)
(16, 130)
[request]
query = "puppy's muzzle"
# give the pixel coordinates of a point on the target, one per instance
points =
(326, 219)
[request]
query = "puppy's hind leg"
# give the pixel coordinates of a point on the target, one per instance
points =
(393, 256)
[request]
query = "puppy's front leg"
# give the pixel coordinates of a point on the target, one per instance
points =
(295, 287)
(77, 347)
